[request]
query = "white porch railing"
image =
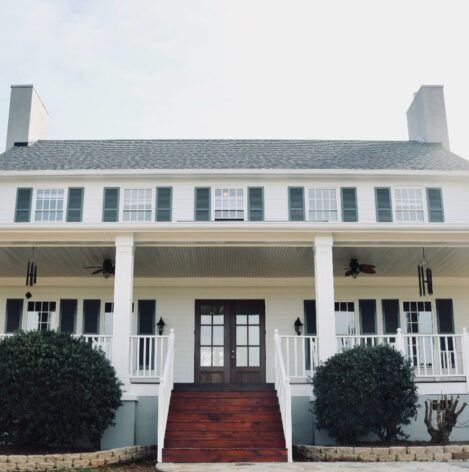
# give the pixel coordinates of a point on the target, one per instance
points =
(98, 341)
(282, 386)
(164, 394)
(300, 356)
(347, 341)
(148, 355)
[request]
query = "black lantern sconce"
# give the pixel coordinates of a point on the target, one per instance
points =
(161, 324)
(298, 326)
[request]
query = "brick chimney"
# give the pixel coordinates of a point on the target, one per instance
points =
(28, 117)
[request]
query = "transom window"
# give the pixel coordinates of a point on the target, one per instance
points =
(229, 204)
(323, 204)
(49, 205)
(137, 204)
(409, 205)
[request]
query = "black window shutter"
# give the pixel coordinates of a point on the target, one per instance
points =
(349, 205)
(163, 203)
(68, 313)
(435, 205)
(256, 203)
(296, 204)
(75, 205)
(146, 316)
(310, 317)
(391, 321)
(445, 317)
(111, 205)
(23, 205)
(383, 205)
(202, 204)
(14, 311)
(91, 309)
(367, 316)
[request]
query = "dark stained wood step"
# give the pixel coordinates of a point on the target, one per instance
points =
(191, 387)
(238, 434)
(244, 395)
(224, 443)
(238, 409)
(181, 455)
(185, 417)
(226, 401)
(219, 426)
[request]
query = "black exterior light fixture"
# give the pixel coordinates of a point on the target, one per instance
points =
(298, 326)
(161, 324)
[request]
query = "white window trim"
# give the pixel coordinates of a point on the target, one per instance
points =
(229, 187)
(338, 200)
(424, 203)
(34, 205)
(122, 200)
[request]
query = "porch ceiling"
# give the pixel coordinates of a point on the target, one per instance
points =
(192, 262)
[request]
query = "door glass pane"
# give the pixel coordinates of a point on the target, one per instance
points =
(241, 319)
(205, 335)
(218, 335)
(241, 356)
(218, 356)
(218, 319)
(253, 335)
(253, 319)
(206, 356)
(205, 319)
(241, 335)
(254, 357)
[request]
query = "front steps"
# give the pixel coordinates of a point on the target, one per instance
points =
(224, 425)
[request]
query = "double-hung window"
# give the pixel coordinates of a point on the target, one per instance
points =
(409, 205)
(137, 204)
(323, 205)
(229, 204)
(41, 315)
(50, 204)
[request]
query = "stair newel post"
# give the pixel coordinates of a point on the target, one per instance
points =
(400, 344)
(465, 355)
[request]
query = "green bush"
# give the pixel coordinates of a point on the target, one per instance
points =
(54, 390)
(365, 390)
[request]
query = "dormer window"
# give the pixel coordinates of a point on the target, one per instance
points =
(229, 204)
(137, 204)
(50, 205)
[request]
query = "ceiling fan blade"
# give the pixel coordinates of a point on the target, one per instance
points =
(97, 271)
(92, 267)
(368, 269)
(349, 273)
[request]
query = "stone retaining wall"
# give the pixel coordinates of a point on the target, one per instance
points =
(77, 460)
(381, 454)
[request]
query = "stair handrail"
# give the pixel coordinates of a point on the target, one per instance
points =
(164, 394)
(283, 389)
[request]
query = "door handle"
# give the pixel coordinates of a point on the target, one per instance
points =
(232, 355)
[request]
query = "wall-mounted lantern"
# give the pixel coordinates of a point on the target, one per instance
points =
(298, 326)
(161, 324)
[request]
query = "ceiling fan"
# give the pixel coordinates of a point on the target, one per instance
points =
(107, 268)
(354, 269)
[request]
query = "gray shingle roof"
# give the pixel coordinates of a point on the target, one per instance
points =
(231, 154)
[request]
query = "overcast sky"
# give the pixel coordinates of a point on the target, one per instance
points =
(235, 68)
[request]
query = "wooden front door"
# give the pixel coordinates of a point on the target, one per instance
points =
(229, 341)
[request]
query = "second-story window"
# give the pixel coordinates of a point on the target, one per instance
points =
(137, 204)
(229, 204)
(50, 205)
(323, 205)
(409, 205)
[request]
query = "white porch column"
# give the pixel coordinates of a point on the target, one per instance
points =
(324, 282)
(123, 296)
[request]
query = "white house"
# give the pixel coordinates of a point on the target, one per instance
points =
(229, 242)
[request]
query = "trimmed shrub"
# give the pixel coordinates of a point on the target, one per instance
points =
(54, 390)
(365, 390)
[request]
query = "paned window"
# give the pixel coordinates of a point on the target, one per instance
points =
(409, 205)
(40, 315)
(323, 204)
(50, 204)
(137, 204)
(229, 204)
